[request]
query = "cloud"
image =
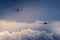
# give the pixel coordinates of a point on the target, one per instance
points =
(12, 30)
(26, 34)
(55, 26)
(12, 26)
(16, 26)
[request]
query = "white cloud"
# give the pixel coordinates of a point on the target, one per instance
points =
(55, 26)
(26, 34)
(13, 25)
(25, 31)
(17, 26)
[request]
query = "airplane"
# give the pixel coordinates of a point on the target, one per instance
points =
(18, 11)
(45, 23)
(21, 9)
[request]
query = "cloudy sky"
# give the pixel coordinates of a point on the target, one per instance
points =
(27, 24)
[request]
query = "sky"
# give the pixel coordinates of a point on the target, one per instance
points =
(46, 10)
(27, 24)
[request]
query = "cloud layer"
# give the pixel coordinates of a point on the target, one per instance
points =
(55, 26)
(16, 26)
(10, 30)
(26, 34)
